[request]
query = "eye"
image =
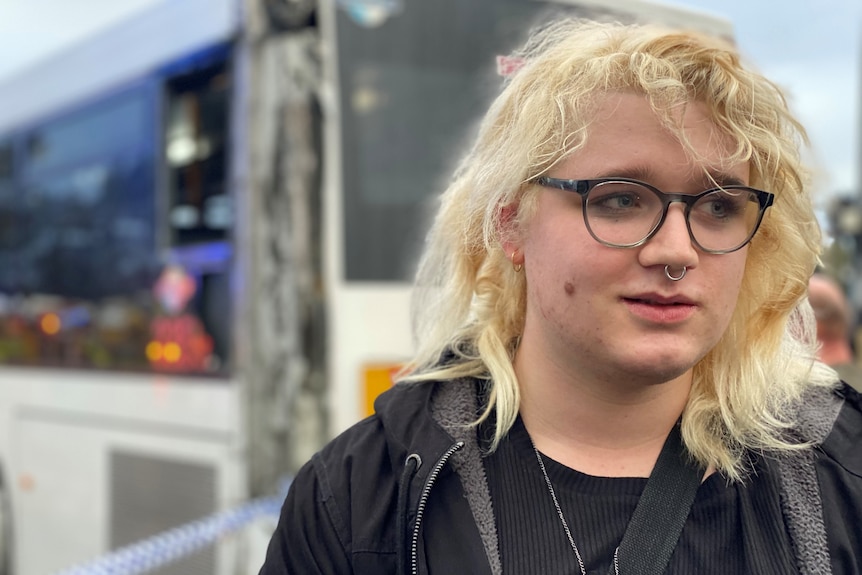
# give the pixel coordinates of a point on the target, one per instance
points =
(620, 201)
(615, 198)
(717, 207)
(723, 205)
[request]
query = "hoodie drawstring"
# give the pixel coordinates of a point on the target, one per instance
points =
(411, 466)
(406, 476)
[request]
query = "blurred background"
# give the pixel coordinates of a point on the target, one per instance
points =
(210, 212)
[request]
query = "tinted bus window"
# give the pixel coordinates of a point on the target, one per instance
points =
(196, 146)
(77, 247)
(85, 215)
(411, 96)
(6, 159)
(200, 211)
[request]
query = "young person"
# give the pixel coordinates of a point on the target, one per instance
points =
(619, 267)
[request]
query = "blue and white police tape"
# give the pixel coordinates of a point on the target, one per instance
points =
(174, 544)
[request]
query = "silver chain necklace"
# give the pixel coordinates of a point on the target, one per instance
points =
(563, 519)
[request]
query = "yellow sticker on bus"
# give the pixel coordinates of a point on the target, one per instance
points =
(377, 377)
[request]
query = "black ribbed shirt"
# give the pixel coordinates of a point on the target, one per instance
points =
(732, 528)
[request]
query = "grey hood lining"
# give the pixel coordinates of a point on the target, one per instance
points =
(800, 490)
(454, 406)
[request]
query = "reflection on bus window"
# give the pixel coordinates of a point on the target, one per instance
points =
(200, 209)
(179, 341)
(95, 215)
(85, 212)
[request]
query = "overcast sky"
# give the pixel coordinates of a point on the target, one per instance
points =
(810, 47)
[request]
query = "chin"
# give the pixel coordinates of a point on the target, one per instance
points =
(659, 371)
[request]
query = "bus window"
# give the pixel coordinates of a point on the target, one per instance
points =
(200, 209)
(5, 163)
(80, 256)
(77, 248)
(86, 205)
(7, 194)
(410, 98)
(196, 155)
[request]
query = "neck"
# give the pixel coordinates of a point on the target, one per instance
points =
(596, 426)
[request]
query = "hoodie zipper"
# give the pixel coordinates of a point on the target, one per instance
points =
(423, 501)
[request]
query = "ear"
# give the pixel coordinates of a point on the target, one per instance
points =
(508, 231)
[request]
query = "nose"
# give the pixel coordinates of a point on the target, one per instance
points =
(672, 244)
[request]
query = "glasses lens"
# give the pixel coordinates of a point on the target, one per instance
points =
(724, 219)
(622, 213)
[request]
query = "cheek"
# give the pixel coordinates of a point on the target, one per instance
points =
(729, 295)
(736, 278)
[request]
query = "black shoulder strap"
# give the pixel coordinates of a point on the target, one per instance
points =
(655, 526)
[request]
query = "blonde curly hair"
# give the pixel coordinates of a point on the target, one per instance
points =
(469, 304)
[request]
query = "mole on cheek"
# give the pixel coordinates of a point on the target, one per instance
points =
(569, 287)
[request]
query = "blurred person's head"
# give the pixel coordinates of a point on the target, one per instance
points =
(834, 319)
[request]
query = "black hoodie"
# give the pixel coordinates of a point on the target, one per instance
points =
(404, 491)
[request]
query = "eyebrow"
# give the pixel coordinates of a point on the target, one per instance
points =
(723, 179)
(646, 174)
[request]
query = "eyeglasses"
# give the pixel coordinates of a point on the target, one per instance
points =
(625, 213)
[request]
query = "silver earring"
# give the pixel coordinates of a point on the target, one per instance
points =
(675, 278)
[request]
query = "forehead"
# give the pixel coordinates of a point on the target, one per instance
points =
(625, 135)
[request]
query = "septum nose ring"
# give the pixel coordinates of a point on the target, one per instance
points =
(675, 278)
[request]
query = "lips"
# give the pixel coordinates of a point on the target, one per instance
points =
(655, 299)
(661, 309)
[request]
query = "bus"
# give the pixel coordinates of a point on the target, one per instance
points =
(210, 214)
